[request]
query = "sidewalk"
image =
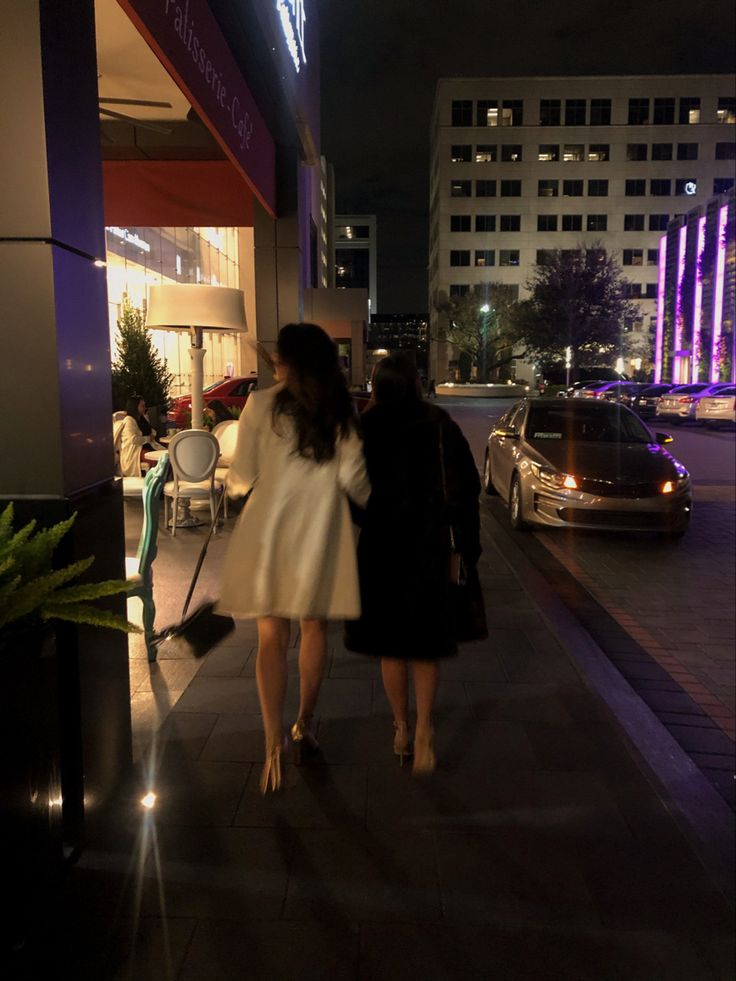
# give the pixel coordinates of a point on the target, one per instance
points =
(538, 850)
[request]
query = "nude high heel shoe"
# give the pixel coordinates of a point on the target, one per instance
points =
(424, 758)
(271, 773)
(402, 741)
(303, 739)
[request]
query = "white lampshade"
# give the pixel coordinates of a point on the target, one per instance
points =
(183, 305)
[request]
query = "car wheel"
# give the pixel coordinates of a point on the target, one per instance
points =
(515, 507)
(487, 479)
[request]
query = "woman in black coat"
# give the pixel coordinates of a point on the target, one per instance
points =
(407, 605)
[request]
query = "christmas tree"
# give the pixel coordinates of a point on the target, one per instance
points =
(138, 369)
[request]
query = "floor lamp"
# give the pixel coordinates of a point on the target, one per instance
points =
(194, 308)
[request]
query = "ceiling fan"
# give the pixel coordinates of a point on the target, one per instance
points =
(143, 124)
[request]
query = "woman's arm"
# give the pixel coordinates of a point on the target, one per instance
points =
(131, 432)
(244, 467)
(352, 475)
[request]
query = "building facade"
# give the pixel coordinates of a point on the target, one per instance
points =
(522, 166)
(695, 339)
(355, 255)
(399, 333)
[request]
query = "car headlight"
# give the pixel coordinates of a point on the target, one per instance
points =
(553, 478)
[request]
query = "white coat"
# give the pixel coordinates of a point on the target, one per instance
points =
(128, 440)
(293, 551)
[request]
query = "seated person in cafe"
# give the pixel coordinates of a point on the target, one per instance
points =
(134, 437)
(216, 411)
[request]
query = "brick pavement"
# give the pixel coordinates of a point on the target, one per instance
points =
(538, 850)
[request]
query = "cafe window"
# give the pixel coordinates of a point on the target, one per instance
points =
(485, 153)
(573, 152)
(658, 223)
(664, 112)
(510, 189)
(485, 257)
(485, 223)
(511, 153)
(689, 111)
(508, 257)
(661, 151)
(546, 223)
(460, 189)
(462, 112)
(549, 112)
(459, 223)
(460, 257)
(597, 223)
(598, 152)
(574, 112)
(600, 112)
(548, 152)
(636, 151)
(485, 189)
(633, 223)
(635, 188)
(572, 189)
(548, 189)
(597, 189)
(687, 151)
(572, 223)
(633, 257)
(510, 223)
(726, 111)
(638, 112)
(460, 153)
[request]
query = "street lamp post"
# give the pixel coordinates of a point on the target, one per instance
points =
(485, 310)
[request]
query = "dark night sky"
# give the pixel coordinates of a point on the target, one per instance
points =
(381, 59)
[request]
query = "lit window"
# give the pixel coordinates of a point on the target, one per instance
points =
(511, 153)
(485, 257)
(598, 152)
(549, 152)
(689, 111)
(508, 257)
(485, 153)
(573, 152)
(726, 112)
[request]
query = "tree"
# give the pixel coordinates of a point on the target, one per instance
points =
(578, 300)
(138, 369)
(479, 325)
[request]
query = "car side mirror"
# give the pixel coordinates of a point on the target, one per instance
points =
(663, 438)
(506, 433)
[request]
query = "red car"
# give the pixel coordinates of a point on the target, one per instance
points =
(231, 392)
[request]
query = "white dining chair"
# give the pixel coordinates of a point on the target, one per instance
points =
(193, 457)
(226, 434)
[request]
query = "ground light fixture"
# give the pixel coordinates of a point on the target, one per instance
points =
(195, 308)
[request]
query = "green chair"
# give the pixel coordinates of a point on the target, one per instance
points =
(139, 570)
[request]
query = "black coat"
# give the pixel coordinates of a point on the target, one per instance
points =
(403, 550)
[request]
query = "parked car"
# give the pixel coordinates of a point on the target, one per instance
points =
(576, 387)
(619, 391)
(645, 402)
(717, 410)
(588, 390)
(678, 405)
(585, 464)
(558, 375)
(232, 392)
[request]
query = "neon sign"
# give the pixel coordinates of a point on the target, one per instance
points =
(292, 18)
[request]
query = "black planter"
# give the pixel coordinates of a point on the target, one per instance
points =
(30, 777)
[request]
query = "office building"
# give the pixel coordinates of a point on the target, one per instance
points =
(355, 255)
(523, 166)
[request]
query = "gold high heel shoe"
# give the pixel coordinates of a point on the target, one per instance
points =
(303, 739)
(424, 758)
(402, 741)
(271, 773)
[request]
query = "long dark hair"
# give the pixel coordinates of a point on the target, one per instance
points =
(315, 396)
(396, 384)
(131, 409)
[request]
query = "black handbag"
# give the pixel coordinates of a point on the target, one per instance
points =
(195, 635)
(466, 595)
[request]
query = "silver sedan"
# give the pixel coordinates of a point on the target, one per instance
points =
(717, 410)
(585, 464)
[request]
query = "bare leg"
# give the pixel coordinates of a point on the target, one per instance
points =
(273, 640)
(312, 662)
(395, 676)
(426, 682)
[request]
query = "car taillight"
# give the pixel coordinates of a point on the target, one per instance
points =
(686, 399)
(734, 405)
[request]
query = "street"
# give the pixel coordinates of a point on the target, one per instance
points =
(663, 612)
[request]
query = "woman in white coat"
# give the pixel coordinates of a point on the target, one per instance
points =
(292, 555)
(132, 435)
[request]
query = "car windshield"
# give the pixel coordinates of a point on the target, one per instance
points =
(593, 424)
(726, 392)
(213, 386)
(688, 389)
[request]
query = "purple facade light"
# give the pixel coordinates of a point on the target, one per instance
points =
(681, 244)
(660, 310)
(718, 294)
(698, 300)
